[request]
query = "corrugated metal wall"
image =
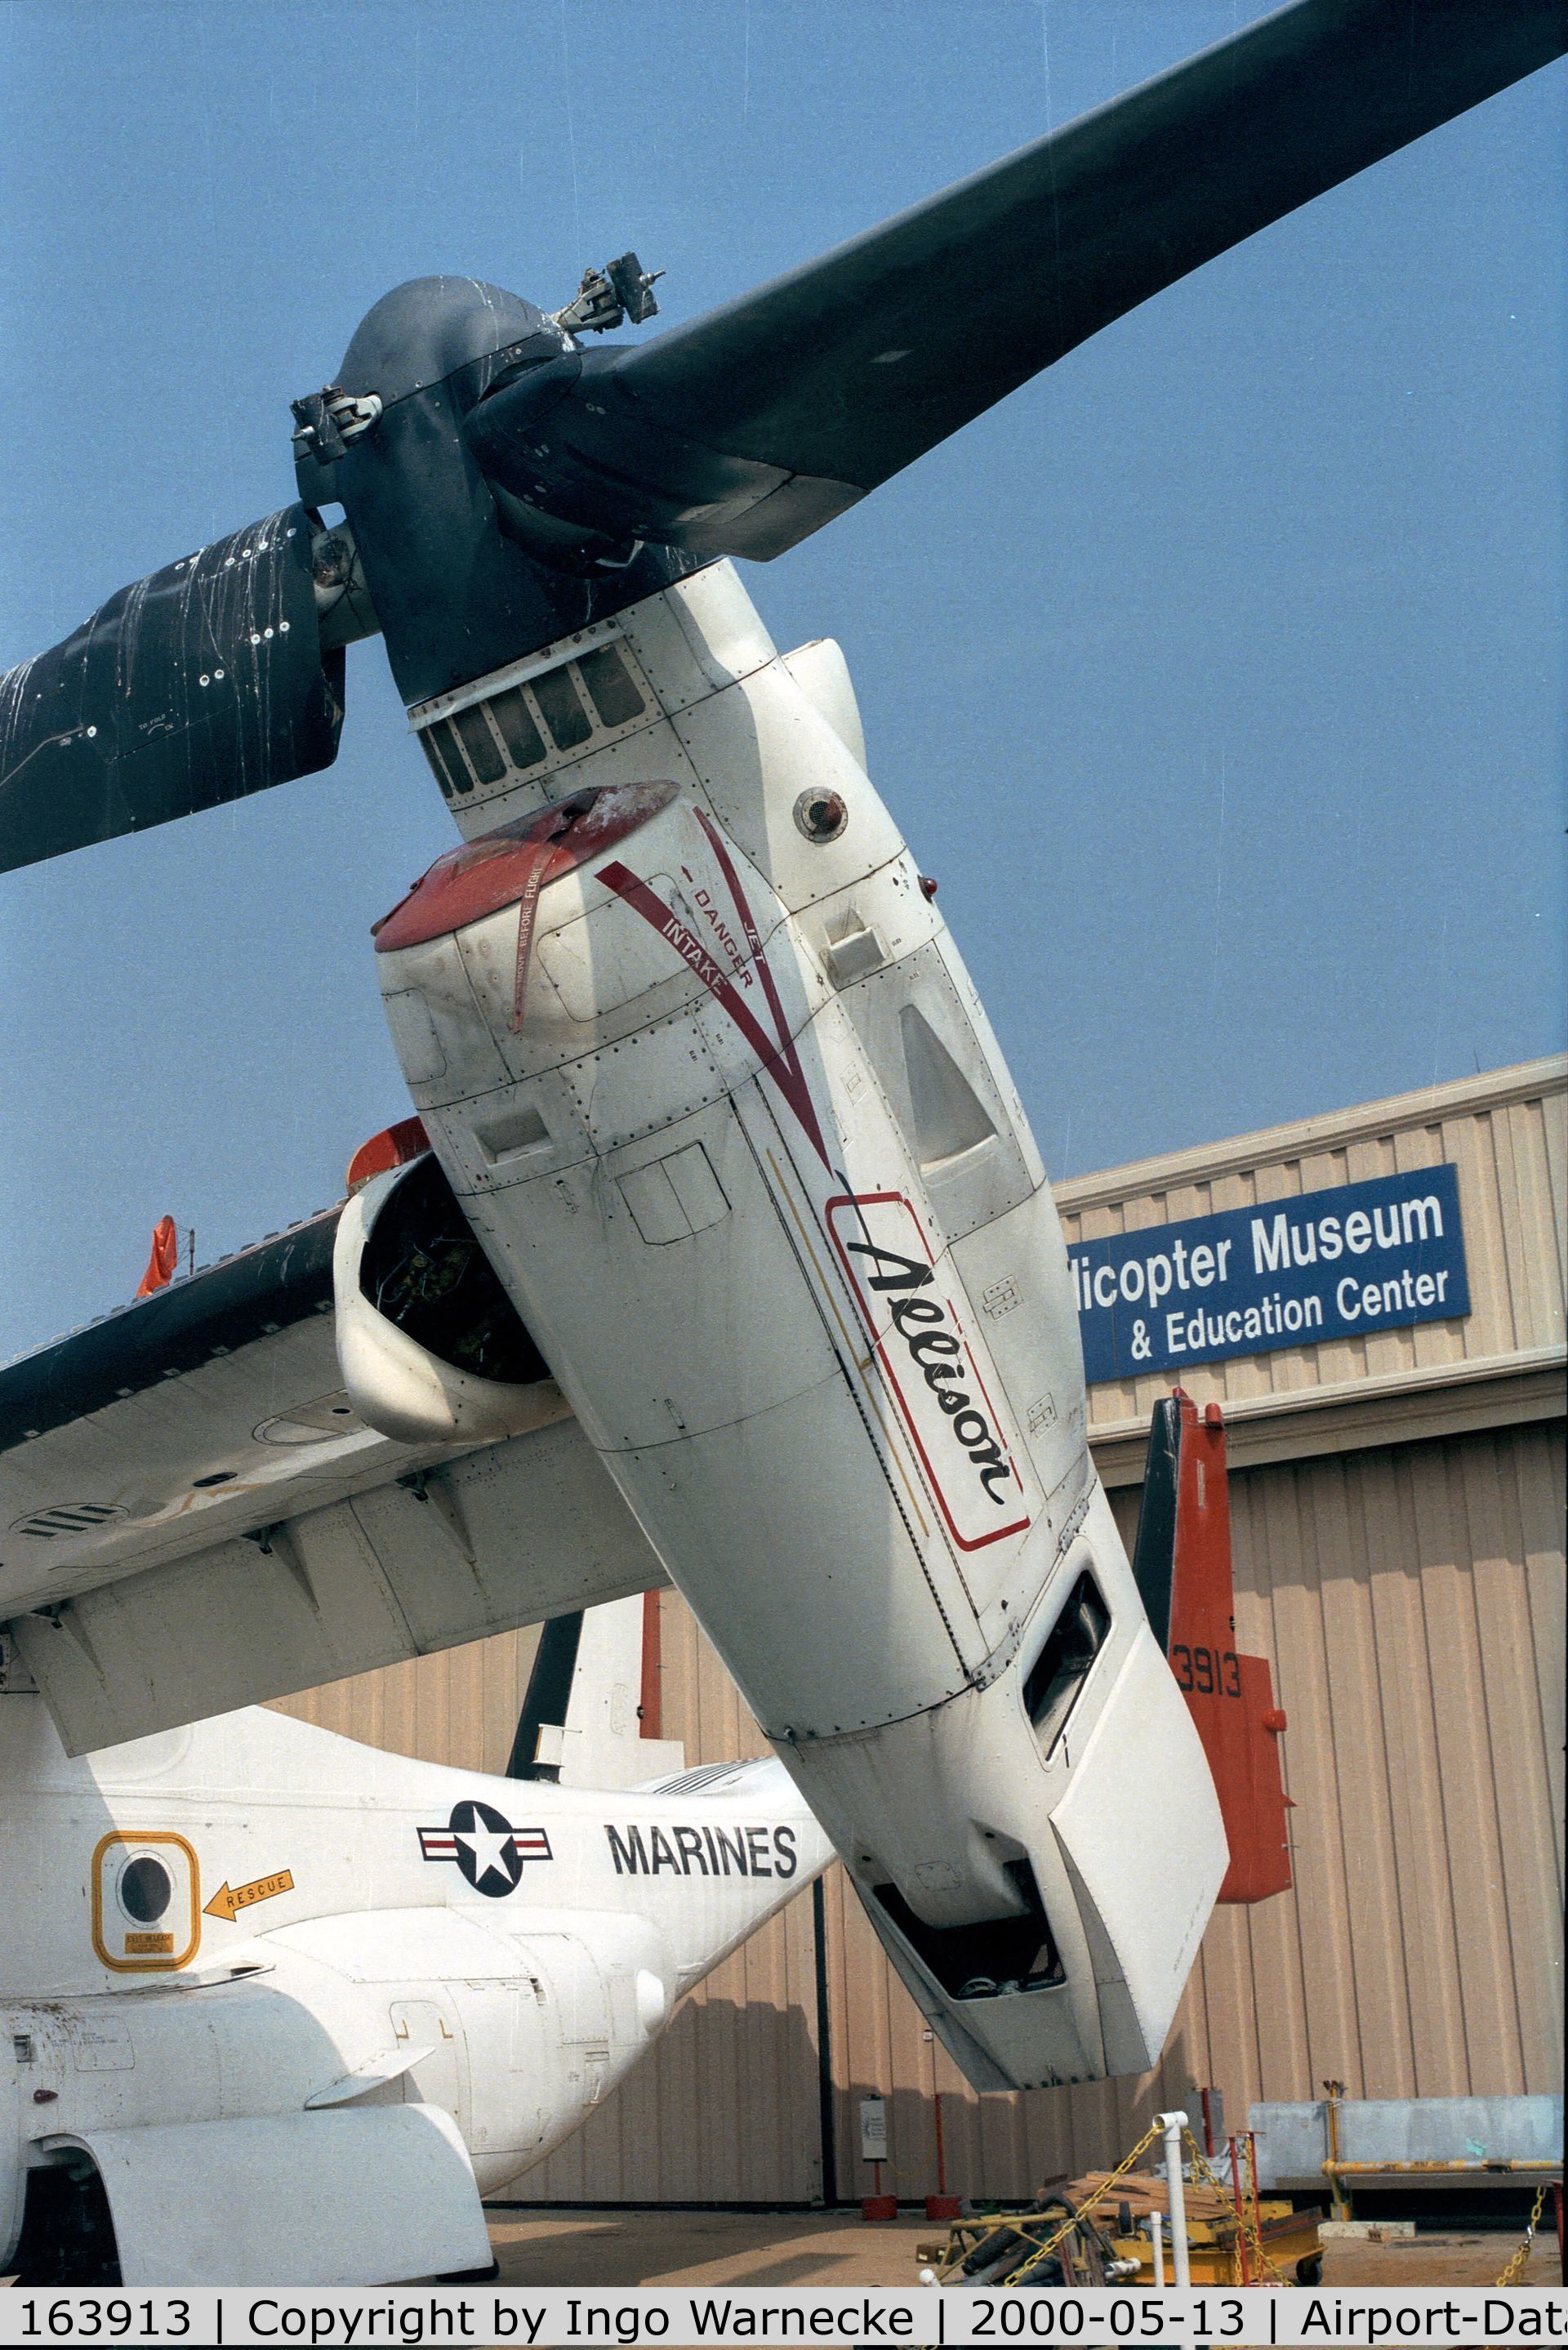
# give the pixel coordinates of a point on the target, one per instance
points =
(1412, 1602)
(1410, 1597)
(458, 1707)
(1507, 1133)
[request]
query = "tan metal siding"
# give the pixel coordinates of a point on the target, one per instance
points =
(1512, 1155)
(1425, 1754)
(460, 1707)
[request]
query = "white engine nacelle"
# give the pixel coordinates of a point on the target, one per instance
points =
(714, 1089)
(419, 1312)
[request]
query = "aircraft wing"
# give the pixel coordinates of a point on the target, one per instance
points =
(194, 1515)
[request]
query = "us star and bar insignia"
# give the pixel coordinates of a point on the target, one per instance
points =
(488, 1850)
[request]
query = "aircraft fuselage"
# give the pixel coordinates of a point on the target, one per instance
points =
(248, 1961)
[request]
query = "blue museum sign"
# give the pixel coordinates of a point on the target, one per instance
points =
(1292, 1272)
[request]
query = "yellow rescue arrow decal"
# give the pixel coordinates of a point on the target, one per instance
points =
(226, 1902)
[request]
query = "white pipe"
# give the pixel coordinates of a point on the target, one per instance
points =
(1156, 2239)
(1173, 2124)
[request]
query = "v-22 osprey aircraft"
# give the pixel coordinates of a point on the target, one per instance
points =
(721, 1250)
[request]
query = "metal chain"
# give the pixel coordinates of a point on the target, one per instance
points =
(1256, 2235)
(1246, 2223)
(1086, 2207)
(1019, 2222)
(1515, 2268)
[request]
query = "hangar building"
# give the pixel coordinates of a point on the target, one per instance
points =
(1398, 1504)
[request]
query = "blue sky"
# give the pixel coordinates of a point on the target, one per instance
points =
(1216, 674)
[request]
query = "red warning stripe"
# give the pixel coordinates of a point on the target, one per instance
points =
(779, 1061)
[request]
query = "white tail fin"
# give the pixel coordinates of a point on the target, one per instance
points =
(590, 1716)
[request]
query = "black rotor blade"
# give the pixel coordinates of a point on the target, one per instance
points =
(203, 684)
(749, 428)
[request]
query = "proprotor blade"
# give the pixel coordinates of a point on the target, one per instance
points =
(203, 683)
(746, 429)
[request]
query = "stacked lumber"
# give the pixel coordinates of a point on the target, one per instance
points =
(1143, 2191)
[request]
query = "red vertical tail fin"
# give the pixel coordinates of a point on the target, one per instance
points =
(1183, 1567)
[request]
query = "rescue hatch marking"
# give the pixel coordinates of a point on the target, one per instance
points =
(229, 1899)
(134, 1956)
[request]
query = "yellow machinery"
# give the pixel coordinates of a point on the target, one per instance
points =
(1095, 2231)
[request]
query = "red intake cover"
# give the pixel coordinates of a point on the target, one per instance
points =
(1228, 1696)
(516, 860)
(510, 865)
(395, 1146)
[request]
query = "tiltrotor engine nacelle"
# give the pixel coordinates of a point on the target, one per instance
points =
(713, 1087)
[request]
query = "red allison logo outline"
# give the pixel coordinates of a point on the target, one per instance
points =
(929, 1365)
